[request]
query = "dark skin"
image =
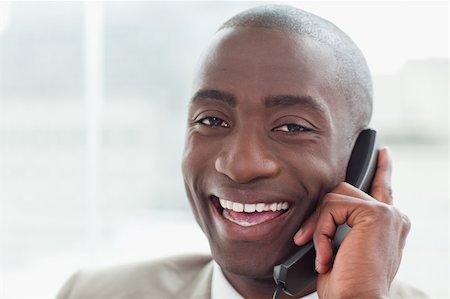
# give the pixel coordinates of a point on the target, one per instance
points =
(267, 124)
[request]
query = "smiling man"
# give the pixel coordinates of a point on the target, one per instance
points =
(279, 99)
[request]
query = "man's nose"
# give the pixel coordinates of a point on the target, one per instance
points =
(246, 158)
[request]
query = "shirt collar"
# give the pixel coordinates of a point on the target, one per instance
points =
(221, 288)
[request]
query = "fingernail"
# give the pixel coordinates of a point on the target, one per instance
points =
(299, 233)
(317, 264)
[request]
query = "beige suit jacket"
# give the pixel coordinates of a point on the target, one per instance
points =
(186, 276)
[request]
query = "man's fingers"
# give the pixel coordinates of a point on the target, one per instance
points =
(305, 233)
(381, 186)
(322, 243)
(323, 237)
(324, 254)
(323, 234)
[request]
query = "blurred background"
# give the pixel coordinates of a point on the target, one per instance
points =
(93, 97)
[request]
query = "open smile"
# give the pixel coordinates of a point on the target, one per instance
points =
(249, 220)
(245, 214)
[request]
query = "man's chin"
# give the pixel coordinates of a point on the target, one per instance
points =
(256, 263)
(247, 268)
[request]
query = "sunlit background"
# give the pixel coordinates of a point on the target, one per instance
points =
(92, 114)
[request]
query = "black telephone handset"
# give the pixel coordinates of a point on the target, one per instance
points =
(298, 271)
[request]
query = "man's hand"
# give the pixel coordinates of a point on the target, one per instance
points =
(370, 254)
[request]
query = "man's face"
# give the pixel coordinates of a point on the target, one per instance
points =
(265, 141)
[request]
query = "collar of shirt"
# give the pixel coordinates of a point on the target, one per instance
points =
(222, 289)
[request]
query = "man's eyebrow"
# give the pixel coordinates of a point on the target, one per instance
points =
(289, 100)
(212, 94)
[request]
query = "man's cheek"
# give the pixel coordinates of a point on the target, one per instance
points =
(319, 178)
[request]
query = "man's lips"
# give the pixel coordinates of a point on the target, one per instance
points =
(249, 214)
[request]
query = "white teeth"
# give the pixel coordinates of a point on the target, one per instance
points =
(250, 208)
(273, 207)
(238, 207)
(260, 207)
(229, 205)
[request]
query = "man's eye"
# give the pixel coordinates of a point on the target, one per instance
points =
(213, 122)
(292, 128)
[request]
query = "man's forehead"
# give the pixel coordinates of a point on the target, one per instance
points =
(274, 58)
(254, 46)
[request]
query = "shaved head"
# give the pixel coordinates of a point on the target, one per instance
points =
(352, 75)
